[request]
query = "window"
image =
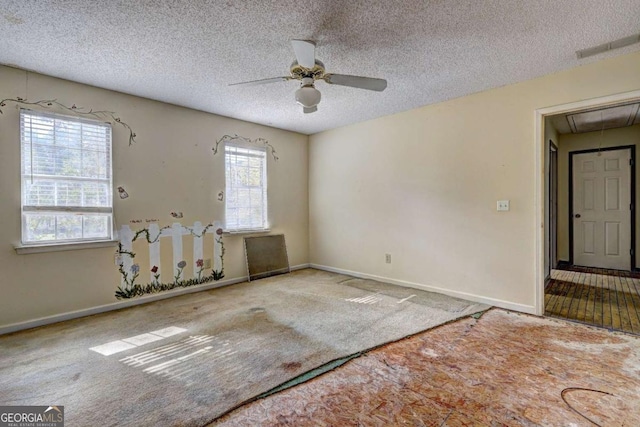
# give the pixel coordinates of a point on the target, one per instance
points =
(246, 187)
(66, 179)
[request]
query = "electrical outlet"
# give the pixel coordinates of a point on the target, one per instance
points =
(387, 258)
(207, 263)
(118, 260)
(503, 205)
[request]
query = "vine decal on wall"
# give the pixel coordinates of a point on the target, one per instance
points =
(49, 104)
(257, 141)
(129, 288)
(217, 275)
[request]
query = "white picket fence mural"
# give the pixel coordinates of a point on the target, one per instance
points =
(153, 235)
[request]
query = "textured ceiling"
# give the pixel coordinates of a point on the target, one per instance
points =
(187, 52)
(597, 119)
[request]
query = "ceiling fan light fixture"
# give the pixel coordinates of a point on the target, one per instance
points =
(308, 96)
(307, 69)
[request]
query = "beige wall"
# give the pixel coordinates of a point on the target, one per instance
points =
(423, 185)
(586, 141)
(170, 168)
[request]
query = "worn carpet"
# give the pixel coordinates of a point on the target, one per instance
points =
(187, 360)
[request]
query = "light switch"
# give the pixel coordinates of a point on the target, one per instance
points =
(503, 205)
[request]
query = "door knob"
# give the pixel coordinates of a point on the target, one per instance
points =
(577, 215)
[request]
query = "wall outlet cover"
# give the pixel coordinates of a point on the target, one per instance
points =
(503, 205)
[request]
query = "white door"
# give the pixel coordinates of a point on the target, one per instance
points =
(602, 209)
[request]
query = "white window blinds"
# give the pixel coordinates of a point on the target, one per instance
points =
(66, 179)
(246, 187)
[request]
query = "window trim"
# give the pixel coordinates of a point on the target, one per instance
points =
(265, 228)
(25, 247)
(22, 249)
(246, 231)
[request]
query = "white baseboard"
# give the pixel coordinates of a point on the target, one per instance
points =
(14, 327)
(116, 305)
(529, 309)
(299, 267)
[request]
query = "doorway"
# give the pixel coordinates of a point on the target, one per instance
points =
(587, 267)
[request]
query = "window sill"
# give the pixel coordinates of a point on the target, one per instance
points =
(55, 247)
(256, 231)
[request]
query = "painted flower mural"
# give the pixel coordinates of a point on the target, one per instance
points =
(130, 272)
(156, 275)
(200, 265)
(181, 265)
(130, 276)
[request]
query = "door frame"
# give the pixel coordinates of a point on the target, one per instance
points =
(539, 225)
(553, 211)
(632, 217)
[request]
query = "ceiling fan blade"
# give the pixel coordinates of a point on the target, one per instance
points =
(262, 81)
(308, 110)
(368, 83)
(305, 52)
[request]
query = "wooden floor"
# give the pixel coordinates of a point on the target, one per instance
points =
(504, 369)
(604, 298)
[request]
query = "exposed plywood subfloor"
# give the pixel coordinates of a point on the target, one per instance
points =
(503, 369)
(604, 298)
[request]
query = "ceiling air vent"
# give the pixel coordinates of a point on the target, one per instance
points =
(616, 44)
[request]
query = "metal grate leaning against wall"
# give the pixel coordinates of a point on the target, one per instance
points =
(266, 256)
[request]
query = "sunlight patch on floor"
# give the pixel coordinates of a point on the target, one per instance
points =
(369, 299)
(118, 346)
(179, 365)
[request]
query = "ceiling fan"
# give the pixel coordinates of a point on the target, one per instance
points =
(308, 70)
